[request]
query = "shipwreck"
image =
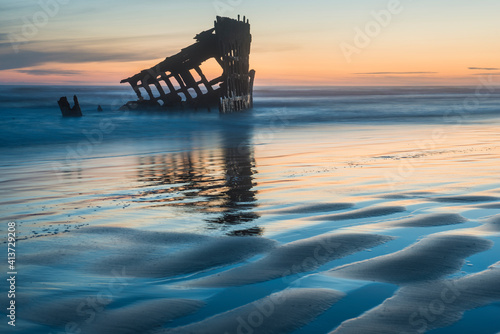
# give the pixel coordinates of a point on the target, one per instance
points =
(67, 110)
(179, 81)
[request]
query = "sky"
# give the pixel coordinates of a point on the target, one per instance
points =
(322, 42)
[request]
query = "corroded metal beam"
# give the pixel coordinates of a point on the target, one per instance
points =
(229, 44)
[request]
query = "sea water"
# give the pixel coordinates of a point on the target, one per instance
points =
(270, 172)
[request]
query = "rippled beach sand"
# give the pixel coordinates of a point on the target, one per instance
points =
(259, 223)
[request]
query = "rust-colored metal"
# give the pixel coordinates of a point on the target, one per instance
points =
(171, 84)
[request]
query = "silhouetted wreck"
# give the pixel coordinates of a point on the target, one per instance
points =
(67, 110)
(171, 84)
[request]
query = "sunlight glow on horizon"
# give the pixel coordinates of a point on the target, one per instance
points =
(294, 43)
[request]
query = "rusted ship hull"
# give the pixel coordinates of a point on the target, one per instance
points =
(171, 84)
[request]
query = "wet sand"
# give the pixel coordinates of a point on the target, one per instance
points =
(239, 230)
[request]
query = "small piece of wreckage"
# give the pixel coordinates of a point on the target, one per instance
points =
(67, 110)
(171, 84)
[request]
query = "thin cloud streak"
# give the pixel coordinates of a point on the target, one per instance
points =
(486, 74)
(395, 73)
(485, 68)
(35, 58)
(86, 50)
(48, 72)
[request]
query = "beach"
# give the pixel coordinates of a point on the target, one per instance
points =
(321, 210)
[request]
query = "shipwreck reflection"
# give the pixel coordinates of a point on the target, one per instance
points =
(218, 182)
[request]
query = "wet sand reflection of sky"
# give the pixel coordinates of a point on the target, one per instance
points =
(217, 182)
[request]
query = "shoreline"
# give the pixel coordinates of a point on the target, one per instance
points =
(221, 219)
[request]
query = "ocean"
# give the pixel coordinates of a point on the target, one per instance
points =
(321, 210)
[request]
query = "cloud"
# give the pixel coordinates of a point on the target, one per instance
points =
(84, 50)
(48, 72)
(4, 37)
(395, 73)
(485, 68)
(71, 52)
(33, 58)
(486, 74)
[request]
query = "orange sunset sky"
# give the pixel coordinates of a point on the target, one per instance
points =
(355, 42)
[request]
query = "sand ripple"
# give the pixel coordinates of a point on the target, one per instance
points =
(430, 258)
(428, 220)
(140, 236)
(282, 312)
(464, 199)
(89, 315)
(422, 307)
(363, 213)
(199, 257)
(295, 257)
(312, 208)
(141, 317)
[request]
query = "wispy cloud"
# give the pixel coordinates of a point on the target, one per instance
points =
(48, 72)
(35, 58)
(4, 37)
(83, 51)
(395, 73)
(485, 68)
(487, 73)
